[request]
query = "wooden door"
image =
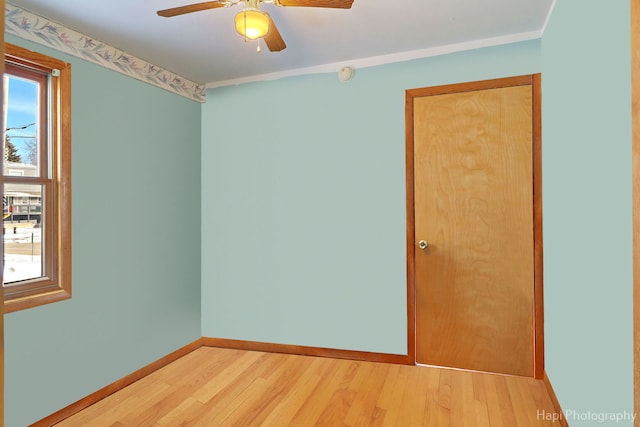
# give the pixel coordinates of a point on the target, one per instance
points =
(472, 161)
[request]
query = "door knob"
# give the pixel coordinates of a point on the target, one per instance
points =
(422, 244)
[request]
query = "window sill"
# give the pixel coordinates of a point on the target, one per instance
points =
(23, 302)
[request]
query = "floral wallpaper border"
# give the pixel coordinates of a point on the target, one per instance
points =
(29, 26)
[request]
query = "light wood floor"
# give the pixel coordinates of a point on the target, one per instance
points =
(220, 387)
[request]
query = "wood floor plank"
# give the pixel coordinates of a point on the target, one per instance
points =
(283, 379)
(216, 387)
(361, 392)
(394, 406)
(480, 397)
(366, 413)
(333, 380)
(286, 408)
(247, 380)
(415, 398)
(173, 417)
(389, 386)
(519, 403)
(467, 402)
(432, 405)
(211, 388)
(340, 404)
(140, 395)
(492, 401)
(445, 398)
(507, 410)
(532, 399)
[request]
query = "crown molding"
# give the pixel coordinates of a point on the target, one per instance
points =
(29, 26)
(385, 59)
(546, 21)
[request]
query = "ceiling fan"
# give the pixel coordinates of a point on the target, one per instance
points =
(251, 22)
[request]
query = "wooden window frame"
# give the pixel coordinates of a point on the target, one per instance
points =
(55, 177)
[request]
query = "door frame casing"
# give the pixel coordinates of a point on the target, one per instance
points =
(538, 310)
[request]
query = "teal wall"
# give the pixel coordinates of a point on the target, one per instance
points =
(303, 201)
(136, 281)
(587, 206)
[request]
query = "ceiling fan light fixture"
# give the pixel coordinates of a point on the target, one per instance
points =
(252, 23)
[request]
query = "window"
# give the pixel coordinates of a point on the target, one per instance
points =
(36, 179)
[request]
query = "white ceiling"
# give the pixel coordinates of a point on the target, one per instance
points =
(204, 47)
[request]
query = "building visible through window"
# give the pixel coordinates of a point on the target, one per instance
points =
(22, 202)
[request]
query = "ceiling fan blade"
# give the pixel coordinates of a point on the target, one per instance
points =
(197, 7)
(336, 4)
(273, 39)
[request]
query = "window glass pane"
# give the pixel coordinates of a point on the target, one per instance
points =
(21, 133)
(22, 232)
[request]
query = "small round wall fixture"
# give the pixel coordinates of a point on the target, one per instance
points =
(345, 74)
